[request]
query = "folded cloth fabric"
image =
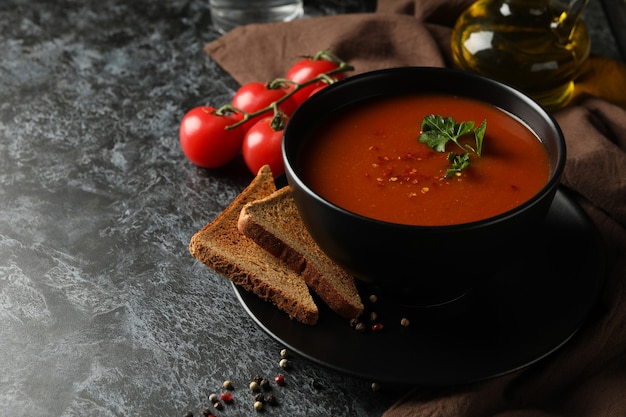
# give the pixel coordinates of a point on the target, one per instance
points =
(587, 377)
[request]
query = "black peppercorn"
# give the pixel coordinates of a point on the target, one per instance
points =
(188, 414)
(259, 397)
(265, 384)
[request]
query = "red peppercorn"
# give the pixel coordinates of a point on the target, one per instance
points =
(226, 397)
(377, 327)
(280, 380)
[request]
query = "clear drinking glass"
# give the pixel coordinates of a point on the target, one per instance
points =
(227, 14)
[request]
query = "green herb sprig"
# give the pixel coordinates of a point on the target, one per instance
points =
(438, 131)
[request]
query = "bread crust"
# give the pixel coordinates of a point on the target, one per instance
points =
(220, 246)
(265, 220)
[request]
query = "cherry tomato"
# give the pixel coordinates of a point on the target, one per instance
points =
(254, 96)
(318, 89)
(306, 69)
(262, 145)
(204, 139)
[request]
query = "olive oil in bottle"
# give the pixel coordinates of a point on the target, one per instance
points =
(538, 46)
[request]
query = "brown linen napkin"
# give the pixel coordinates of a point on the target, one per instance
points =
(367, 41)
(588, 376)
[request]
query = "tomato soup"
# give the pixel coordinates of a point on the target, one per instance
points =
(368, 159)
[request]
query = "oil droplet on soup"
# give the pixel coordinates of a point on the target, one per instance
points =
(368, 160)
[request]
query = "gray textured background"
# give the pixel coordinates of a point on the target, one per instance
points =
(102, 310)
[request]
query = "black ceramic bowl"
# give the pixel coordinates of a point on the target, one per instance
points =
(412, 260)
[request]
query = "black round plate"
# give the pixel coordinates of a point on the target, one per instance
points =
(522, 313)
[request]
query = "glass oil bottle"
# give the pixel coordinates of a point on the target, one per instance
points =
(538, 46)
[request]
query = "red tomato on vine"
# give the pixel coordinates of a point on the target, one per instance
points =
(305, 70)
(204, 139)
(262, 145)
(317, 90)
(254, 96)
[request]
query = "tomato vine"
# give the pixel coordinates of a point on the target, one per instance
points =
(284, 83)
(210, 137)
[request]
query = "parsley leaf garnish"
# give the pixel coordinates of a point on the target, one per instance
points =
(438, 131)
(458, 161)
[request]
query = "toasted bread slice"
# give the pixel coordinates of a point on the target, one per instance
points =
(221, 247)
(274, 223)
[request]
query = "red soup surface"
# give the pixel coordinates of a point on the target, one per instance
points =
(368, 160)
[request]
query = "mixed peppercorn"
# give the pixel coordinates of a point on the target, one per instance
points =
(262, 387)
(375, 325)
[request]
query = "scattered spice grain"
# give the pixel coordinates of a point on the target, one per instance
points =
(258, 406)
(280, 380)
(265, 384)
(227, 397)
